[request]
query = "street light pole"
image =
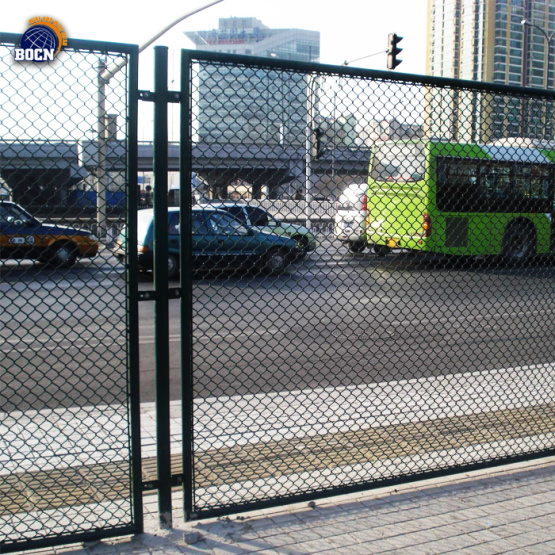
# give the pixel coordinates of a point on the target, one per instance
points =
(104, 75)
(101, 176)
(117, 66)
(309, 146)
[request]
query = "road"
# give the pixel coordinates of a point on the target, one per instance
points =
(62, 334)
(335, 319)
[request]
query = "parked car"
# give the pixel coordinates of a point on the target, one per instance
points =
(23, 236)
(257, 217)
(219, 240)
(350, 216)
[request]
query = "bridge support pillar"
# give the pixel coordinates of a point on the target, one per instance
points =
(218, 187)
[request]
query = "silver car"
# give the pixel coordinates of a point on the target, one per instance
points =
(350, 216)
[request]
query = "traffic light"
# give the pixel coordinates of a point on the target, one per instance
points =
(393, 51)
(317, 143)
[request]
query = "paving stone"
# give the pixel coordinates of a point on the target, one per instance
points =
(341, 540)
(481, 549)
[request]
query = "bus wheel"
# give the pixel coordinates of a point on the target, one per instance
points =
(381, 250)
(519, 244)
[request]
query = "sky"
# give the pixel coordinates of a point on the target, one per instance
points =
(349, 29)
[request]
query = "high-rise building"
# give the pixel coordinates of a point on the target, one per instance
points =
(486, 40)
(242, 105)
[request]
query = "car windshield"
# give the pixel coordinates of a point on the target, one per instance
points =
(237, 212)
(352, 199)
(10, 213)
(259, 217)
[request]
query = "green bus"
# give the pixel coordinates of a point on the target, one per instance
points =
(461, 199)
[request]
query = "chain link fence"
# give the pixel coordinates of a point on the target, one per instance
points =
(65, 445)
(371, 265)
(406, 328)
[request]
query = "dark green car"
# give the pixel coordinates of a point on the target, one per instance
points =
(219, 240)
(258, 218)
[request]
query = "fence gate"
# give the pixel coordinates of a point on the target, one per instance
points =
(399, 331)
(68, 339)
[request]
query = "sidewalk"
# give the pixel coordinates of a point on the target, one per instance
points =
(507, 509)
(499, 510)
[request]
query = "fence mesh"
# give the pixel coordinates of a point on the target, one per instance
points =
(64, 400)
(396, 320)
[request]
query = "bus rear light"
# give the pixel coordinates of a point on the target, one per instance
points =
(427, 225)
(364, 203)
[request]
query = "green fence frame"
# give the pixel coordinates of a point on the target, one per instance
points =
(135, 525)
(189, 59)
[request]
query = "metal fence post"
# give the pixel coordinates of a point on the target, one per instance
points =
(185, 173)
(161, 314)
(133, 291)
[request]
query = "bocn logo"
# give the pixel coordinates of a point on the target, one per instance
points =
(42, 41)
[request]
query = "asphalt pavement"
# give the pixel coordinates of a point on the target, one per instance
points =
(336, 319)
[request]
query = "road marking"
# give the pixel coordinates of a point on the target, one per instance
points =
(274, 444)
(22, 287)
(7, 346)
(294, 414)
(206, 333)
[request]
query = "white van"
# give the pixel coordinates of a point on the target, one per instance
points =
(350, 215)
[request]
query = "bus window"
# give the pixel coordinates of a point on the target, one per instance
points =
(532, 181)
(458, 188)
(466, 185)
(496, 182)
(403, 162)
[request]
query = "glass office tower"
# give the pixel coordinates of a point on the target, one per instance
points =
(256, 106)
(485, 40)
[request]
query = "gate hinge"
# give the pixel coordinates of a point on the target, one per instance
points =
(149, 96)
(173, 293)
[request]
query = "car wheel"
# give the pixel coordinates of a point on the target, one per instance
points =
(275, 262)
(381, 250)
(357, 247)
(302, 244)
(173, 266)
(63, 255)
(519, 244)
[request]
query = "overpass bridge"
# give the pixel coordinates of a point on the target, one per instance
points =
(43, 171)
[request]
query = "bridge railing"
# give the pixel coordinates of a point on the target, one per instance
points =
(298, 209)
(321, 215)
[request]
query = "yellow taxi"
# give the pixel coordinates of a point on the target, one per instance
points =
(23, 236)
